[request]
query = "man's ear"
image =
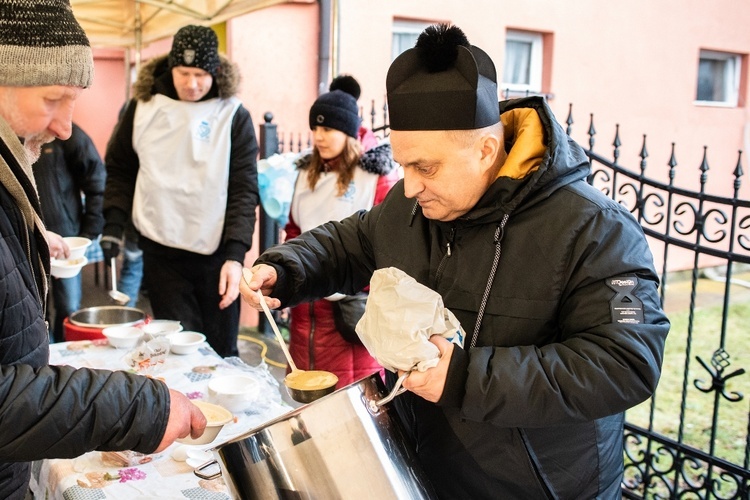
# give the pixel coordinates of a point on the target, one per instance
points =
(490, 146)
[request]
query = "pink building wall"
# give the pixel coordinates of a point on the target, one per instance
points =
(633, 64)
(277, 49)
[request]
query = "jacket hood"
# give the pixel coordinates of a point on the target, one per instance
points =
(377, 160)
(541, 159)
(156, 78)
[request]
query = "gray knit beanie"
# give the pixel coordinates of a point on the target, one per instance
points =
(41, 43)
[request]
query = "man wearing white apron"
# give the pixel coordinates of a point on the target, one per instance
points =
(182, 164)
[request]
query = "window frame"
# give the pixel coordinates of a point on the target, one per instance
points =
(732, 72)
(404, 27)
(536, 61)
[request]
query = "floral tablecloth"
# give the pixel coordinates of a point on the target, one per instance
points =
(92, 476)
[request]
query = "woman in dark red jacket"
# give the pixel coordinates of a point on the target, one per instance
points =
(336, 179)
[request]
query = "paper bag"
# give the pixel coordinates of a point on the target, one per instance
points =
(400, 316)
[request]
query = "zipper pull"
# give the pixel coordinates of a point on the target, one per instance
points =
(448, 247)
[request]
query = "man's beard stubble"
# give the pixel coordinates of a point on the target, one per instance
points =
(32, 145)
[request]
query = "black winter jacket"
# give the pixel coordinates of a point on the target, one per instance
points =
(64, 171)
(535, 410)
(53, 411)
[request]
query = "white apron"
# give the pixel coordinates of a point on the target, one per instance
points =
(312, 208)
(184, 149)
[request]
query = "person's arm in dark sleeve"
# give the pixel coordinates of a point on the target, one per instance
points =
(242, 192)
(62, 412)
(122, 166)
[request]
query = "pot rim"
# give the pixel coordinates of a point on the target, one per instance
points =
(73, 320)
(373, 380)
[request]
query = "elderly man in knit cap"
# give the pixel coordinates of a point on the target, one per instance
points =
(54, 411)
(552, 281)
(181, 165)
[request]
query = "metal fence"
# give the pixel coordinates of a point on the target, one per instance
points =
(692, 438)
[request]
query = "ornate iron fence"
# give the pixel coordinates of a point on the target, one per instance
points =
(664, 455)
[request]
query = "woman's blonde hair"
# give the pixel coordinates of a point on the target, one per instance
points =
(348, 161)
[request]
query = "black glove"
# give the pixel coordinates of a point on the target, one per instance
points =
(111, 242)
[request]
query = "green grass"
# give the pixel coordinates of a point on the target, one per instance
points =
(732, 425)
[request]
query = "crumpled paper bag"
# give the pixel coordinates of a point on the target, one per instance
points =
(400, 316)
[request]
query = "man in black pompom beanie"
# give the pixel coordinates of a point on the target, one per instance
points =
(552, 281)
(181, 168)
(46, 411)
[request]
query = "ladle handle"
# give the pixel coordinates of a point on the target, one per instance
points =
(112, 264)
(275, 328)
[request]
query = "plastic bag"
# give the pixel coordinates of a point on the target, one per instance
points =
(276, 177)
(400, 317)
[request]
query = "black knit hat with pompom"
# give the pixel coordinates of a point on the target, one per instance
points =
(348, 84)
(443, 83)
(337, 110)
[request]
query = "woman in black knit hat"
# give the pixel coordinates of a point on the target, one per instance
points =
(336, 179)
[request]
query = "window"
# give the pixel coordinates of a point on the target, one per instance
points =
(522, 70)
(405, 34)
(718, 78)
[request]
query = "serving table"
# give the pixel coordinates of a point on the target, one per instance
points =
(95, 476)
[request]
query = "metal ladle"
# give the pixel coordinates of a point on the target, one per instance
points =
(119, 297)
(298, 394)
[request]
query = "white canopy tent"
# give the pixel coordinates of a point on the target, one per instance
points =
(132, 23)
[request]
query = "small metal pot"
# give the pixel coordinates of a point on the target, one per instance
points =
(341, 446)
(106, 316)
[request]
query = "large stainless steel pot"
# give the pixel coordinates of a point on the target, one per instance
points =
(105, 316)
(340, 446)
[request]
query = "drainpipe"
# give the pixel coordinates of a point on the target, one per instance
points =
(324, 54)
(336, 42)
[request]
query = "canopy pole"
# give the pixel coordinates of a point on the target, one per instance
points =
(128, 74)
(138, 38)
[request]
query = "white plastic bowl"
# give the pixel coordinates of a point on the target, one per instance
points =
(158, 327)
(216, 417)
(67, 268)
(77, 246)
(236, 393)
(122, 336)
(185, 342)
